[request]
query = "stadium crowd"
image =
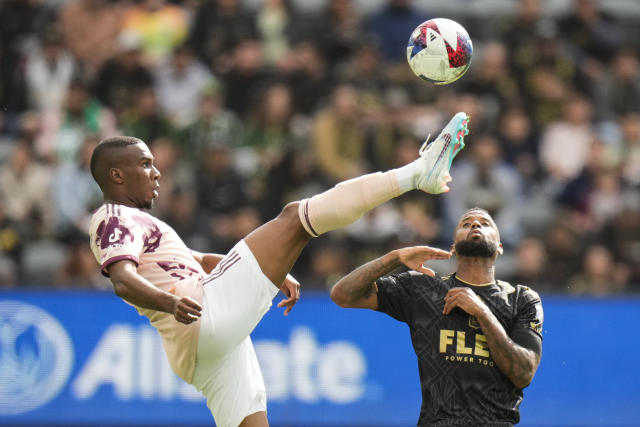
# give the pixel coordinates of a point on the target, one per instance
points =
(249, 105)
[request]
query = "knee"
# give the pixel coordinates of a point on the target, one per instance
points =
(290, 212)
(290, 218)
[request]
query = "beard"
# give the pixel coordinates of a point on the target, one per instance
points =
(479, 248)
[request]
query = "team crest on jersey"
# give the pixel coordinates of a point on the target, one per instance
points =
(473, 322)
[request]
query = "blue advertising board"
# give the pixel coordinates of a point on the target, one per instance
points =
(87, 358)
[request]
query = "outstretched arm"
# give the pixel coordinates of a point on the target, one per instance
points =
(358, 289)
(134, 288)
(518, 363)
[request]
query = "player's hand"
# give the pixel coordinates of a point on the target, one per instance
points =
(464, 298)
(291, 289)
(186, 310)
(414, 257)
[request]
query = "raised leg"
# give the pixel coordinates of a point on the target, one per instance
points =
(278, 243)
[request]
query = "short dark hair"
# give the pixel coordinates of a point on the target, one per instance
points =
(476, 208)
(103, 154)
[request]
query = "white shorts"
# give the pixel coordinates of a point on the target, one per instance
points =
(236, 296)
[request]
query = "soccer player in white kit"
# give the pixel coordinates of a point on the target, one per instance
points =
(153, 270)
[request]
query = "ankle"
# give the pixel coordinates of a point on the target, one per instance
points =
(406, 176)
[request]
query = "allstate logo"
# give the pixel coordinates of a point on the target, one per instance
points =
(36, 357)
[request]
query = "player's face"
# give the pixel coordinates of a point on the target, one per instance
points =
(141, 176)
(477, 235)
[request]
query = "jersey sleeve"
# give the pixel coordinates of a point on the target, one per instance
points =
(118, 237)
(395, 296)
(527, 325)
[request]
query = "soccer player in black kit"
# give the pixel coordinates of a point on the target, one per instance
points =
(478, 340)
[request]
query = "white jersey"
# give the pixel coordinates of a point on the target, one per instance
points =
(119, 232)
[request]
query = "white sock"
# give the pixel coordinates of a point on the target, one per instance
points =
(406, 176)
(347, 201)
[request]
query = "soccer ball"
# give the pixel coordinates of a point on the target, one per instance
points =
(439, 51)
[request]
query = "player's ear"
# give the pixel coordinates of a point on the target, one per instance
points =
(500, 249)
(116, 175)
(452, 249)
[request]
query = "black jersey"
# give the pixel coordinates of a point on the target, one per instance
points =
(461, 384)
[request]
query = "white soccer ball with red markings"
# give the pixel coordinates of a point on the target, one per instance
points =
(439, 51)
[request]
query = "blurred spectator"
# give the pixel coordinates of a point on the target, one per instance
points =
(598, 196)
(339, 30)
(11, 241)
(49, 70)
(421, 223)
(329, 263)
(393, 25)
(519, 29)
(269, 132)
(75, 194)
(179, 83)
(531, 259)
(377, 228)
(563, 248)
(486, 181)
(269, 138)
(287, 103)
(90, 29)
(609, 197)
(275, 25)
(220, 188)
(309, 79)
(519, 142)
(618, 91)
(182, 214)
(213, 125)
(13, 92)
(365, 71)
(144, 120)
(388, 131)
(219, 27)
(228, 229)
(422, 215)
(490, 79)
(593, 32)
(622, 235)
(547, 93)
(21, 21)
(600, 275)
(630, 125)
(29, 128)
(338, 136)
(539, 61)
(159, 25)
(63, 132)
(294, 177)
(566, 143)
(223, 203)
(166, 158)
(245, 78)
(520, 34)
(24, 193)
(119, 80)
(78, 267)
